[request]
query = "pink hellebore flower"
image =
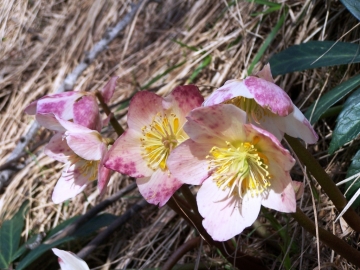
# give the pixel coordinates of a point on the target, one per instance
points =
(266, 104)
(80, 106)
(239, 165)
(69, 261)
(82, 150)
(155, 129)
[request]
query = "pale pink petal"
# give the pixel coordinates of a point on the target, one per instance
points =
(125, 155)
(86, 113)
(69, 261)
(86, 145)
(58, 104)
(49, 121)
(297, 126)
(70, 184)
(280, 195)
(182, 100)
(224, 121)
(108, 90)
(188, 162)
(229, 90)
(265, 73)
(225, 217)
(103, 173)
(159, 187)
(143, 108)
(298, 189)
(270, 96)
(58, 149)
(106, 120)
(72, 127)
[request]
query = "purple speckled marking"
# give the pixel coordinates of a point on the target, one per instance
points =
(86, 112)
(56, 108)
(269, 95)
(118, 164)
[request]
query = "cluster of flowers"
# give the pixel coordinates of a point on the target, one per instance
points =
(228, 144)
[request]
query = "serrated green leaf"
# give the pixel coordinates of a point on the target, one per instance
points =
(91, 226)
(314, 54)
(353, 6)
(10, 234)
(353, 169)
(330, 98)
(348, 123)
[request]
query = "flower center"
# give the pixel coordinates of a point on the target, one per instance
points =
(87, 168)
(241, 167)
(159, 139)
(253, 110)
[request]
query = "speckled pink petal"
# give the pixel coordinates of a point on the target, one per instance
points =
(297, 126)
(265, 73)
(269, 95)
(69, 261)
(229, 90)
(58, 149)
(108, 90)
(58, 104)
(86, 145)
(188, 162)
(225, 217)
(224, 121)
(86, 113)
(281, 195)
(103, 173)
(159, 187)
(49, 121)
(143, 108)
(70, 184)
(125, 155)
(183, 99)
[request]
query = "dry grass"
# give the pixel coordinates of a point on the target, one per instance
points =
(42, 41)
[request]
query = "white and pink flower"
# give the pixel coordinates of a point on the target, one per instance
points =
(266, 104)
(155, 129)
(69, 261)
(239, 165)
(79, 106)
(83, 151)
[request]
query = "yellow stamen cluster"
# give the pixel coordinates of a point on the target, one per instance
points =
(159, 139)
(88, 168)
(241, 168)
(252, 109)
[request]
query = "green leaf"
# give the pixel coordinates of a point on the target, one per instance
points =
(348, 123)
(353, 169)
(353, 6)
(88, 228)
(314, 54)
(204, 63)
(10, 234)
(267, 41)
(330, 98)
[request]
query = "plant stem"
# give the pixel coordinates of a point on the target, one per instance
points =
(326, 183)
(190, 198)
(115, 124)
(333, 242)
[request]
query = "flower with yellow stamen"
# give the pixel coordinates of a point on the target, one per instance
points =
(239, 165)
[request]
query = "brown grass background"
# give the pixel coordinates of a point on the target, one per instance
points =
(42, 41)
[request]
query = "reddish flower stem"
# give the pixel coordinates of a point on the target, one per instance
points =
(115, 124)
(326, 183)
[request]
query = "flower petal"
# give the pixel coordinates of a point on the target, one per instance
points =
(265, 73)
(142, 109)
(108, 90)
(269, 95)
(225, 217)
(70, 184)
(58, 104)
(86, 113)
(103, 173)
(297, 126)
(125, 155)
(58, 149)
(49, 121)
(205, 124)
(229, 90)
(158, 188)
(69, 261)
(188, 162)
(89, 146)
